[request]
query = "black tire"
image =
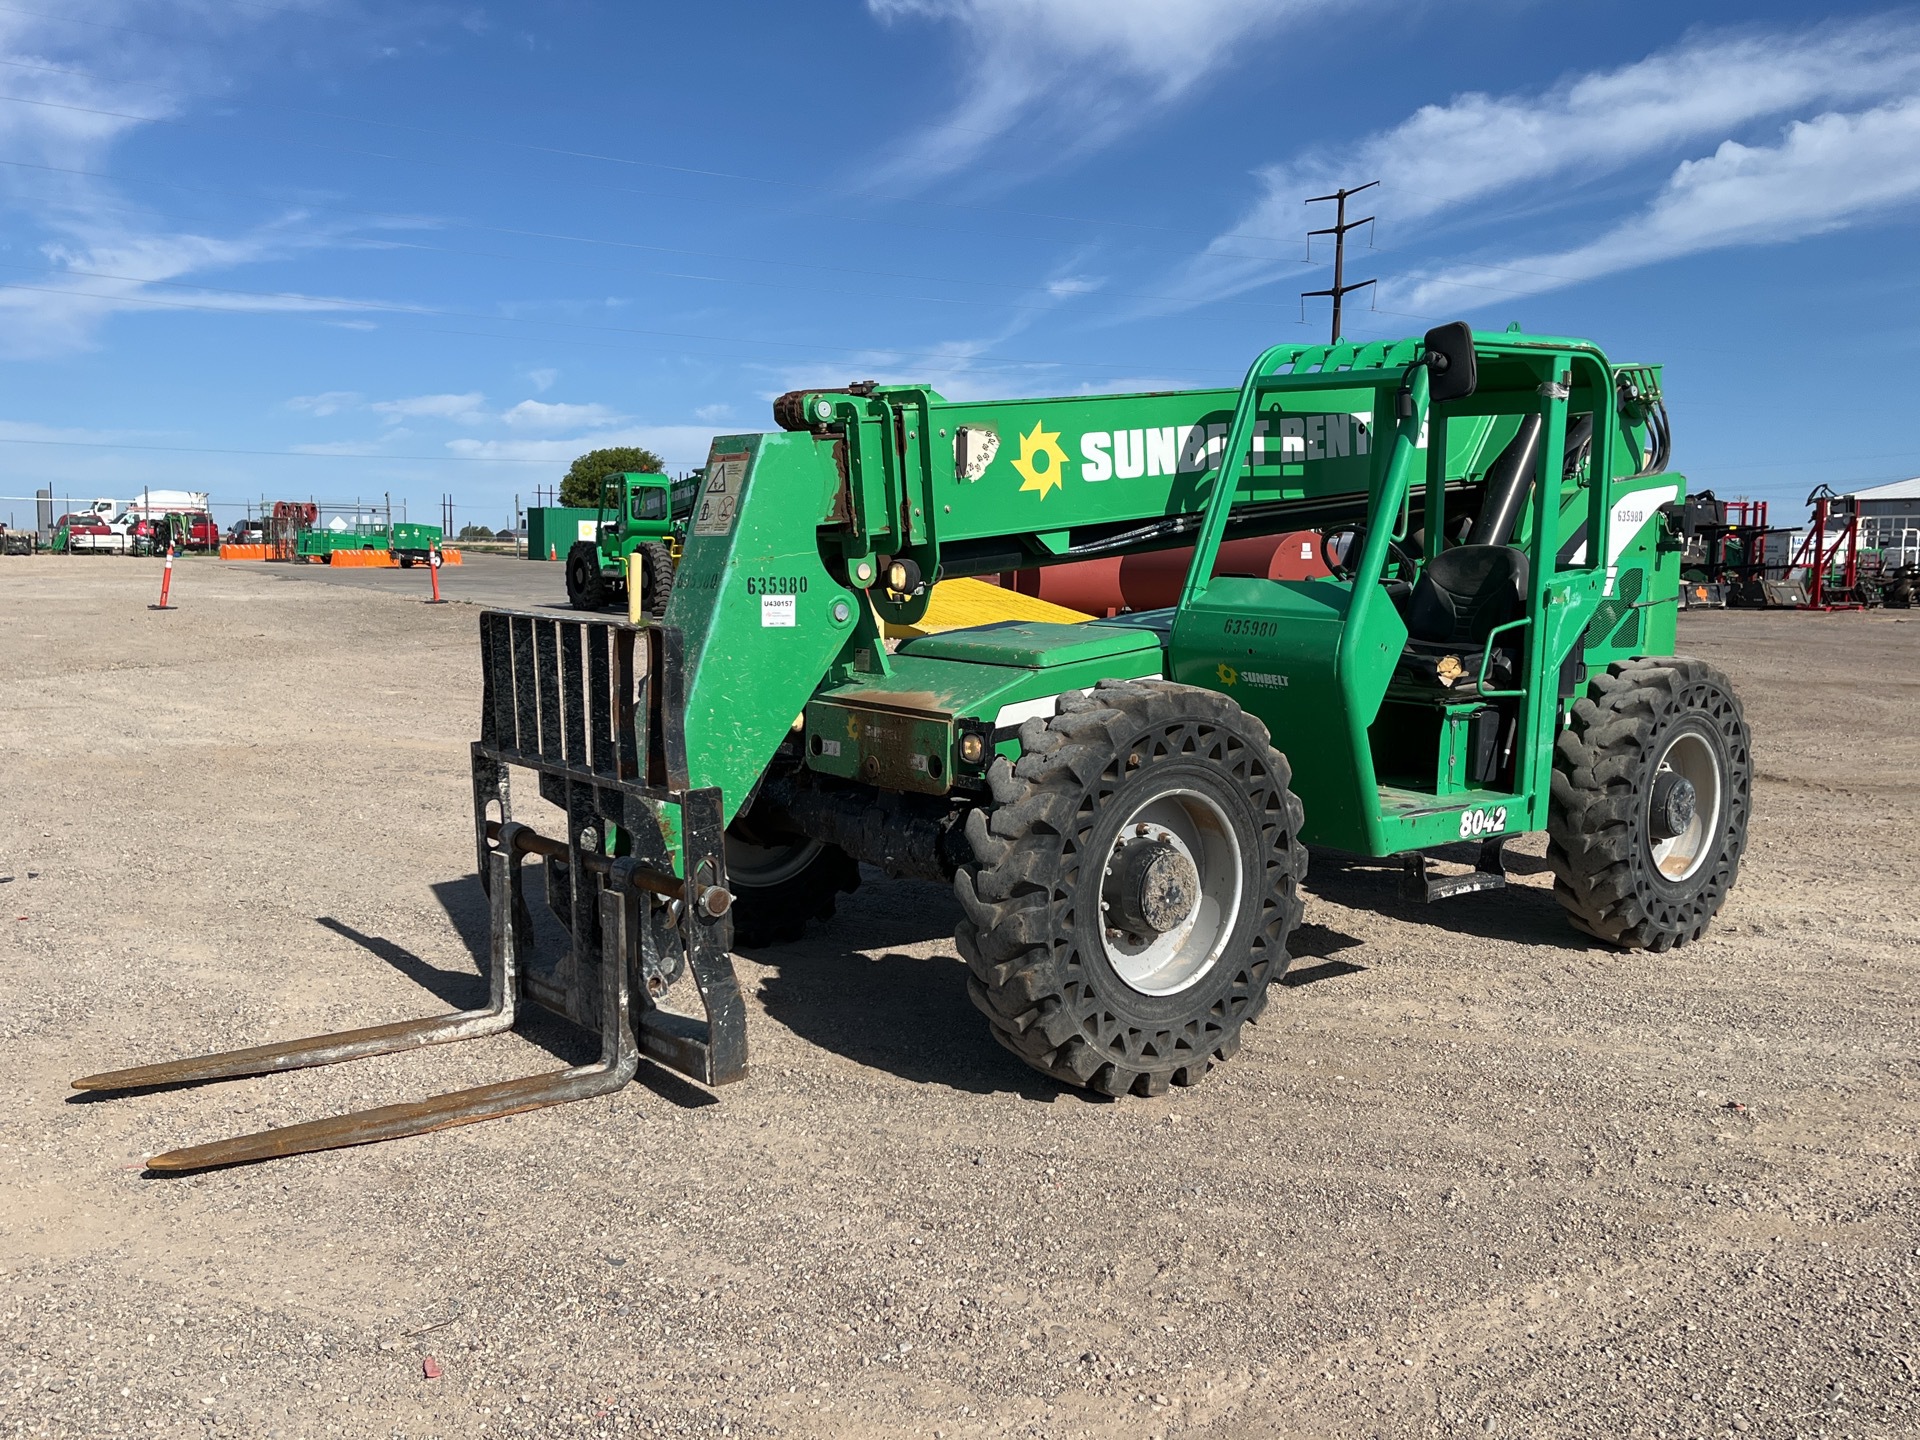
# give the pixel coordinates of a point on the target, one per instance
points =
(586, 590)
(779, 884)
(1042, 956)
(656, 579)
(1644, 725)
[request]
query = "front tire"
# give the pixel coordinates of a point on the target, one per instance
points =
(779, 883)
(1651, 786)
(1135, 884)
(586, 589)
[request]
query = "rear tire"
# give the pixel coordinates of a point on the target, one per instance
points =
(779, 884)
(1631, 866)
(1136, 882)
(586, 590)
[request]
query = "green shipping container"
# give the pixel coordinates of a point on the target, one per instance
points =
(325, 542)
(552, 530)
(416, 541)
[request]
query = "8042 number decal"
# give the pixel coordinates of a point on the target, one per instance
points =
(1482, 822)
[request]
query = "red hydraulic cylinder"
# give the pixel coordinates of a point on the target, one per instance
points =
(1151, 581)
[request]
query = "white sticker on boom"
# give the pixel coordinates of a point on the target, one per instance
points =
(779, 610)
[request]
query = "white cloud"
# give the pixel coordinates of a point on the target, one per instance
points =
(681, 446)
(958, 369)
(713, 412)
(1069, 286)
(539, 415)
(329, 402)
(467, 409)
(1825, 174)
(542, 380)
(1072, 74)
(65, 434)
(1445, 162)
(104, 254)
(336, 447)
(99, 268)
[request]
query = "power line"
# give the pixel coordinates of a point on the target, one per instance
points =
(630, 245)
(863, 354)
(555, 183)
(663, 166)
(280, 454)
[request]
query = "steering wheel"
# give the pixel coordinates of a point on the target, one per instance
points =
(1341, 570)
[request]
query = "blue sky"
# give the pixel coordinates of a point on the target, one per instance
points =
(307, 248)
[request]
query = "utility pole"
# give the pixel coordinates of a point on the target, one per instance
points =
(1341, 225)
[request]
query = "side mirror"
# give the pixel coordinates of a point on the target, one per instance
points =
(1452, 372)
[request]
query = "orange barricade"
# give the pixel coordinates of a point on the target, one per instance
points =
(243, 552)
(368, 559)
(449, 557)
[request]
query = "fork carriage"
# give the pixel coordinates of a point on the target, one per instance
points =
(594, 708)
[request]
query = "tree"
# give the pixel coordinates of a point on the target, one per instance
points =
(586, 477)
(475, 532)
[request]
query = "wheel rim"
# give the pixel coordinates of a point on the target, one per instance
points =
(1692, 758)
(1193, 826)
(759, 867)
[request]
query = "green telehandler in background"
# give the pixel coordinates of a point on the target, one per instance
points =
(1123, 806)
(642, 516)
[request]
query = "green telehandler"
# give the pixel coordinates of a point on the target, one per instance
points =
(1123, 806)
(640, 531)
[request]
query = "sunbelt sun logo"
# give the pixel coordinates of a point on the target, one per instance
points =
(1040, 459)
(1186, 449)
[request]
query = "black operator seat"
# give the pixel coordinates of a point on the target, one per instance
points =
(1464, 594)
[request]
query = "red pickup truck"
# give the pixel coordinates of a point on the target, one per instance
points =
(184, 530)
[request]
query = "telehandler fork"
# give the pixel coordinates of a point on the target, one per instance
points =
(589, 706)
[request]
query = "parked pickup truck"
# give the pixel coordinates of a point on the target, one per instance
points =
(90, 533)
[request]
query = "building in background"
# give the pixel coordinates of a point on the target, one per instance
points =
(1889, 519)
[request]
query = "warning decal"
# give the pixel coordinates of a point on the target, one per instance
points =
(720, 500)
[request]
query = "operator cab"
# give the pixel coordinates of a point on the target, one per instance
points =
(1457, 608)
(648, 500)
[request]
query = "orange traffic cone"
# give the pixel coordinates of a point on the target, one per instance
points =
(166, 583)
(553, 551)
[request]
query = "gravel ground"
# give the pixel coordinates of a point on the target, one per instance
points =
(1469, 1176)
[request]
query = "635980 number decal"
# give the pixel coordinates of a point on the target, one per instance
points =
(1482, 822)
